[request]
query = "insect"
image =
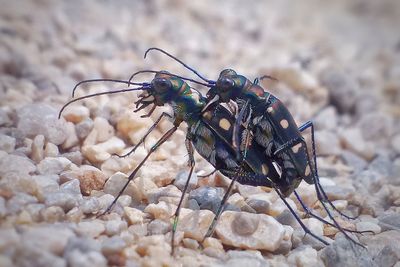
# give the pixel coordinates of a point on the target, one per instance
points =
(272, 127)
(210, 131)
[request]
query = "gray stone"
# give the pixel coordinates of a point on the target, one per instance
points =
(7, 143)
(113, 244)
(77, 258)
(384, 246)
(3, 209)
(343, 89)
(53, 165)
(35, 256)
(83, 128)
(64, 200)
(158, 227)
(114, 227)
(259, 205)
(74, 156)
(181, 178)
(16, 164)
(376, 126)
(4, 119)
(389, 221)
(343, 253)
(327, 143)
(82, 244)
(35, 119)
(48, 238)
(19, 201)
(245, 259)
(72, 187)
(9, 240)
(90, 205)
(356, 162)
(326, 119)
(207, 198)
(47, 183)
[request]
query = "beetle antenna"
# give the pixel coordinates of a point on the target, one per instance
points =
(177, 76)
(181, 62)
(98, 94)
(103, 80)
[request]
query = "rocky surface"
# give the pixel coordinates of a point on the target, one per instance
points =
(335, 63)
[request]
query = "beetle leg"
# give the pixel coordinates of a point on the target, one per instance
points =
(310, 213)
(321, 200)
(160, 141)
(145, 136)
(303, 127)
(221, 207)
(190, 150)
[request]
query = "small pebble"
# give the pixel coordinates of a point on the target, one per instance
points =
(181, 178)
(7, 143)
(250, 231)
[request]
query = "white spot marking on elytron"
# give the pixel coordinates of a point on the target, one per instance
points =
(207, 115)
(284, 123)
(270, 109)
(224, 124)
(307, 170)
(296, 148)
(264, 169)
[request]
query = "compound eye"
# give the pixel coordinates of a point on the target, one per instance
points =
(161, 84)
(225, 84)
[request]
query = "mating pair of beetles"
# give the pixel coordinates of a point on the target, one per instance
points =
(254, 141)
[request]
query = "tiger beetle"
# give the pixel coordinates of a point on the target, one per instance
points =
(270, 124)
(209, 131)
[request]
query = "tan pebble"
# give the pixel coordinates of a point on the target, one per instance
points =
(262, 231)
(307, 194)
(72, 139)
(278, 207)
(115, 164)
(90, 178)
(116, 182)
(37, 153)
(131, 122)
(52, 214)
(237, 200)
(196, 223)
(144, 185)
(340, 204)
(162, 210)
(169, 194)
(104, 130)
(76, 114)
(75, 215)
(24, 218)
(213, 242)
(304, 257)
(51, 150)
(133, 215)
(315, 226)
(91, 138)
(190, 243)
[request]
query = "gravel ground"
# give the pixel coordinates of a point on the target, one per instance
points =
(337, 64)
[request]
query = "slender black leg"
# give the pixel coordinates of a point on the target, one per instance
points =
(211, 229)
(189, 147)
(132, 175)
(320, 197)
(310, 213)
(145, 136)
(306, 230)
(303, 127)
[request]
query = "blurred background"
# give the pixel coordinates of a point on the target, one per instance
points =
(337, 63)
